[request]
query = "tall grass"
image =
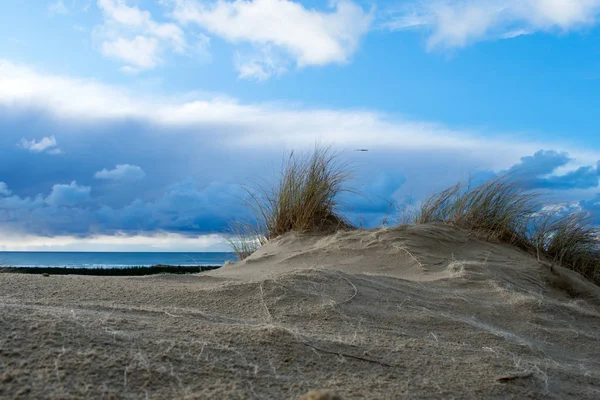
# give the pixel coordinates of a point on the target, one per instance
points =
(504, 209)
(570, 240)
(499, 209)
(245, 238)
(304, 198)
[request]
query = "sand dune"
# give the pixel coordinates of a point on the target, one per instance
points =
(409, 312)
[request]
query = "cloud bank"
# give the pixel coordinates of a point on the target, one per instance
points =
(255, 126)
(540, 171)
(140, 166)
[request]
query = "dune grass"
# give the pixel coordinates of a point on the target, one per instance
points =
(504, 209)
(499, 209)
(245, 238)
(304, 199)
(570, 240)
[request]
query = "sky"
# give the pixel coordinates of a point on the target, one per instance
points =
(131, 125)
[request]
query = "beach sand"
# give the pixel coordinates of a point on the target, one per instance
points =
(409, 312)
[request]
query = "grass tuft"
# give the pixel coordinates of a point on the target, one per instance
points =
(504, 209)
(570, 240)
(245, 238)
(304, 199)
(498, 209)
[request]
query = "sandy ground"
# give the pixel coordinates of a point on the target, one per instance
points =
(419, 312)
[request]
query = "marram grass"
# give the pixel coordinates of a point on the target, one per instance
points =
(304, 199)
(504, 209)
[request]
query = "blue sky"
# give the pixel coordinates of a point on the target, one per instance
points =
(130, 124)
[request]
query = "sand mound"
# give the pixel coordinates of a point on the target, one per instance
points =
(409, 312)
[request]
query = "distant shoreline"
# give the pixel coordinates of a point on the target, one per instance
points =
(117, 271)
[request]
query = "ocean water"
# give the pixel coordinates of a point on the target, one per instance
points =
(110, 260)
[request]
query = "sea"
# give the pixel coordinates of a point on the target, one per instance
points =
(110, 259)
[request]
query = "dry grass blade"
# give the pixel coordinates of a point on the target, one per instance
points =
(245, 238)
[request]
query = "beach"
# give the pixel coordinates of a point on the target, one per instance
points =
(427, 311)
(303, 200)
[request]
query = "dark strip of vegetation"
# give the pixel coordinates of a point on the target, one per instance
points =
(126, 271)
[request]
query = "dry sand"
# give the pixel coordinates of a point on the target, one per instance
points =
(418, 312)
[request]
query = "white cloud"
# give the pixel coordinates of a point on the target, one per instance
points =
(58, 7)
(260, 65)
(122, 172)
(66, 195)
(4, 189)
(142, 52)
(131, 35)
(307, 36)
(259, 126)
(457, 23)
(255, 69)
(54, 151)
(46, 144)
(13, 241)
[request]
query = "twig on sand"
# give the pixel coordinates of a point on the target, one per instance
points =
(264, 303)
(172, 315)
(410, 254)
(509, 378)
(353, 286)
(337, 353)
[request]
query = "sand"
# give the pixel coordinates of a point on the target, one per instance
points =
(407, 312)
